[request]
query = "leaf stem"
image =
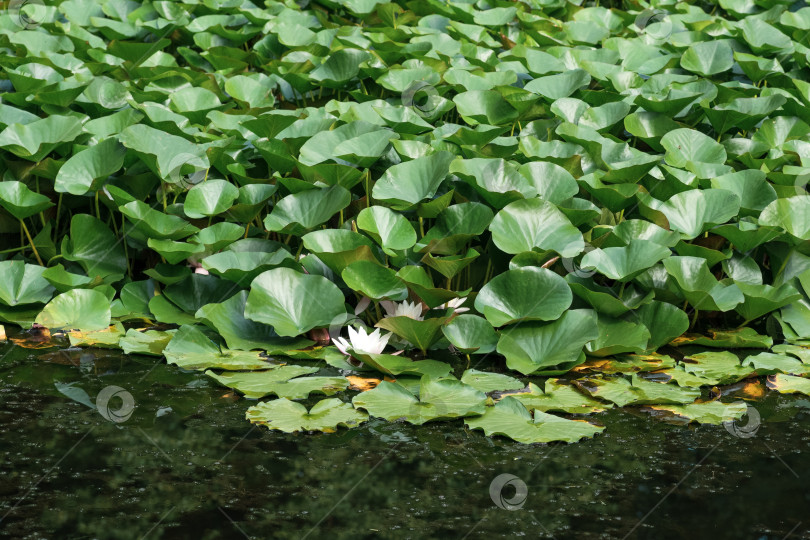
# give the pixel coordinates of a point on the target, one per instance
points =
(31, 241)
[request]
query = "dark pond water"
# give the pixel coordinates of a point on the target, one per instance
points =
(186, 464)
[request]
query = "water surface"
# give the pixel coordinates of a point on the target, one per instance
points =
(186, 464)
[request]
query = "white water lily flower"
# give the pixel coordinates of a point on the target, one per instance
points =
(361, 342)
(405, 309)
(454, 305)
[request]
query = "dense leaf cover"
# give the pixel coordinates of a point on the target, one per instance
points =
(553, 187)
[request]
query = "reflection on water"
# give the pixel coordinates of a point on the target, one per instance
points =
(184, 463)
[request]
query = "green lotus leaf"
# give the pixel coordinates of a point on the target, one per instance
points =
(664, 321)
(210, 198)
(190, 348)
(293, 303)
(763, 37)
(484, 107)
(63, 281)
(743, 113)
(716, 367)
(421, 284)
(375, 281)
(487, 382)
(750, 186)
(791, 215)
(701, 289)
(712, 412)
(35, 140)
(438, 399)
(256, 90)
(240, 333)
(618, 336)
(552, 182)
(722, 339)
(288, 416)
(763, 299)
(94, 246)
(337, 248)
(639, 391)
(625, 263)
(561, 85)
(789, 384)
(242, 267)
(561, 396)
(391, 230)
(171, 156)
(283, 381)
(339, 67)
(524, 294)
(708, 58)
(193, 102)
(450, 265)
(529, 224)
(174, 252)
(299, 212)
(604, 299)
(511, 419)
(529, 347)
(86, 170)
(251, 201)
(197, 290)
(455, 226)
(471, 334)
(630, 363)
(802, 353)
(420, 334)
(20, 201)
(497, 181)
(692, 150)
(360, 143)
(397, 365)
(692, 212)
(409, 183)
(770, 363)
(155, 224)
(22, 284)
(638, 229)
(649, 126)
(79, 309)
(149, 342)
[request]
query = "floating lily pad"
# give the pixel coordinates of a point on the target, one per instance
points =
(717, 367)
(288, 416)
(487, 381)
(283, 381)
(713, 412)
(623, 392)
(511, 419)
(438, 399)
(561, 396)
